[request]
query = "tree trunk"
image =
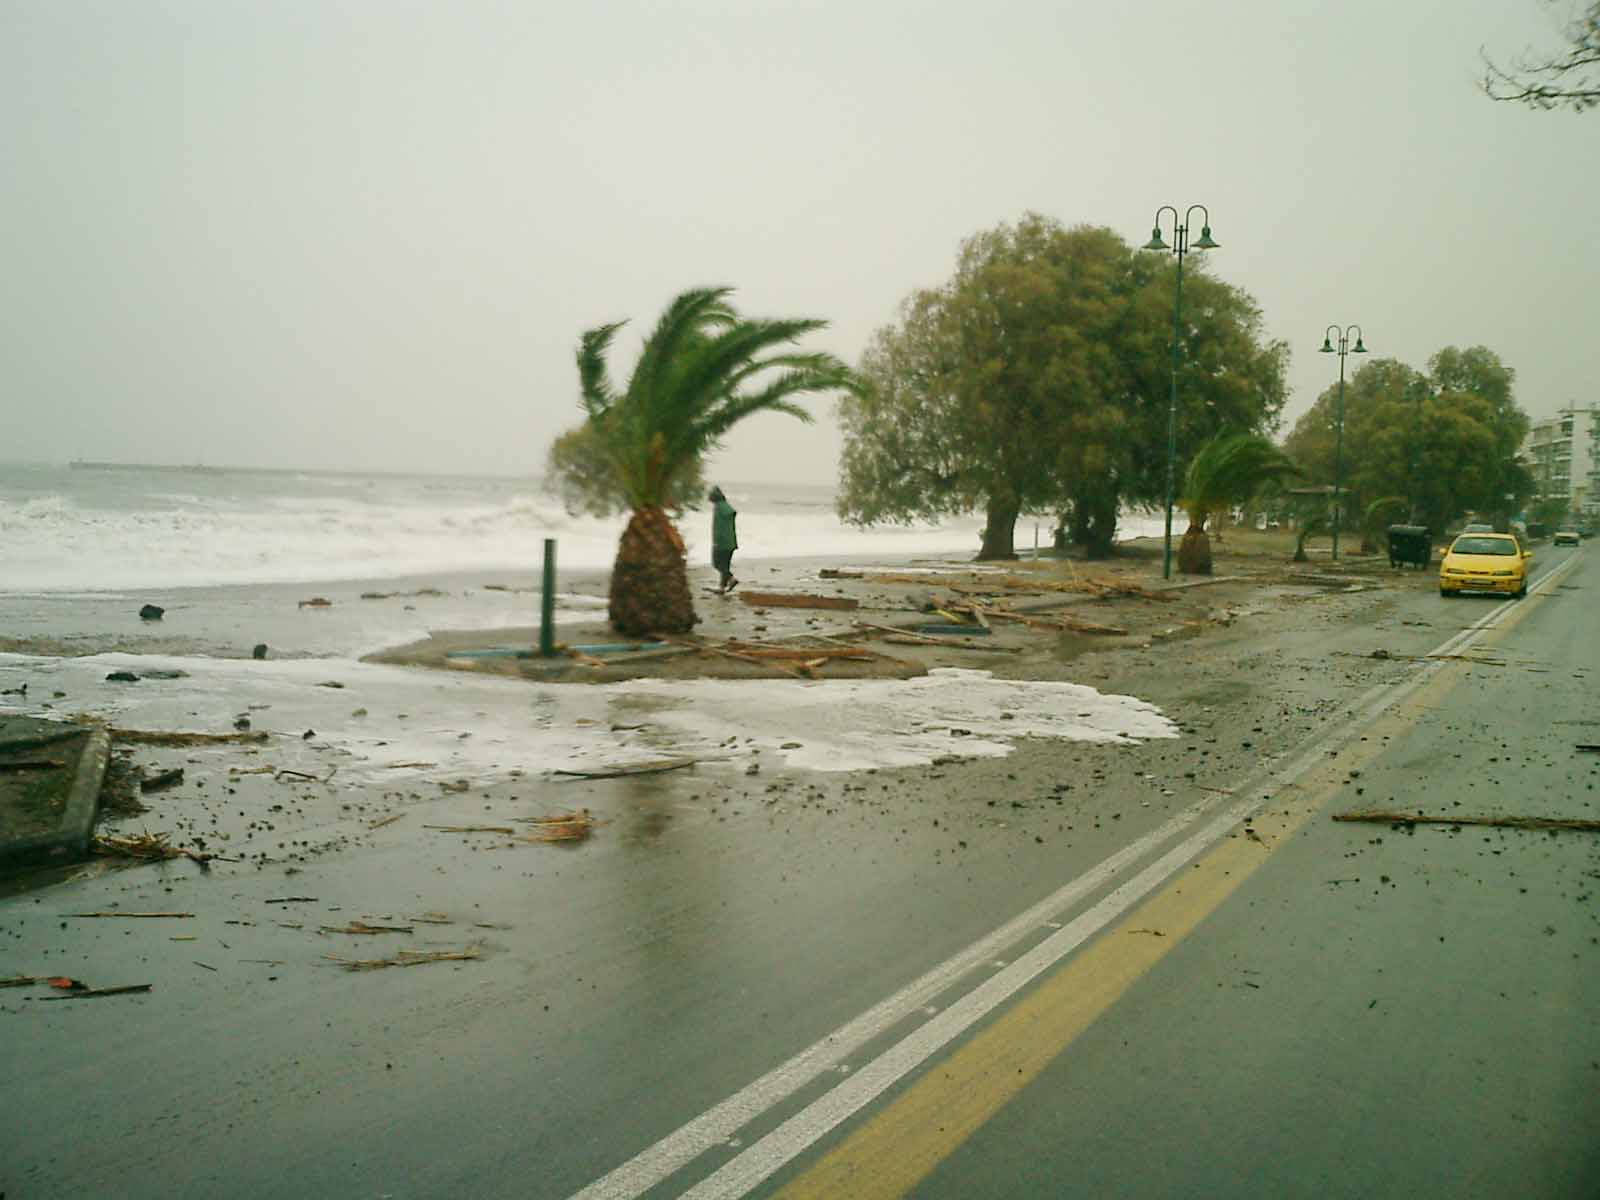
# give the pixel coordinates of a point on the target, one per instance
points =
(999, 529)
(650, 581)
(1100, 524)
(1194, 552)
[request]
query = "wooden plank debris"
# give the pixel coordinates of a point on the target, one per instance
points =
(361, 927)
(653, 767)
(798, 600)
(134, 915)
(93, 993)
(471, 828)
(162, 737)
(1574, 825)
(406, 958)
(561, 827)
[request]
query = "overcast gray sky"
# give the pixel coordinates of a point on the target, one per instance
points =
(329, 233)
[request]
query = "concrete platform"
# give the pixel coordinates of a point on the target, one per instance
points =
(50, 777)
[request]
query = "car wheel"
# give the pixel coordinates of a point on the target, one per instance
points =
(1445, 593)
(1523, 591)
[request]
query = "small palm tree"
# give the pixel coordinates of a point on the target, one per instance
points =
(1226, 471)
(703, 370)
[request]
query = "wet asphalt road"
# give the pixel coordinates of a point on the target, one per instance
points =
(1308, 1037)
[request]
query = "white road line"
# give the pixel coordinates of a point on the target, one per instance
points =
(759, 1161)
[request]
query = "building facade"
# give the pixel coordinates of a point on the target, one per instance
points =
(1563, 453)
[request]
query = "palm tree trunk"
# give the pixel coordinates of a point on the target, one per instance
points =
(650, 581)
(1194, 552)
(999, 529)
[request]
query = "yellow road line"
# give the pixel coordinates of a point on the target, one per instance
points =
(889, 1154)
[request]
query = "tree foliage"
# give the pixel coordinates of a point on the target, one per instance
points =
(1569, 78)
(703, 369)
(582, 474)
(1036, 380)
(1446, 440)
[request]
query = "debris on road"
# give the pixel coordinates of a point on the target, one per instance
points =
(406, 958)
(135, 915)
(1576, 825)
(471, 828)
(361, 927)
(563, 827)
(293, 900)
(162, 780)
(653, 767)
(798, 600)
(163, 737)
(91, 993)
(152, 847)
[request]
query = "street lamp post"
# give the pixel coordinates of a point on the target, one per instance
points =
(1180, 247)
(1344, 347)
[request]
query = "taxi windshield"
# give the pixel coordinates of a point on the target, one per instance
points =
(1484, 545)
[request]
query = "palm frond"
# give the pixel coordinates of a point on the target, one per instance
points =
(594, 385)
(1229, 469)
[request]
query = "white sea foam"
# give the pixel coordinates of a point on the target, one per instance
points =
(66, 531)
(835, 725)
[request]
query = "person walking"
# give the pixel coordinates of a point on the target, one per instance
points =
(724, 539)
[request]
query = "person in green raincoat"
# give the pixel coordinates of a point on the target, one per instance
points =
(724, 539)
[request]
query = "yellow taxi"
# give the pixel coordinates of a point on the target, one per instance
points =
(1485, 562)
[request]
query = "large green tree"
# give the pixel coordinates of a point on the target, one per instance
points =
(1446, 440)
(703, 369)
(1035, 381)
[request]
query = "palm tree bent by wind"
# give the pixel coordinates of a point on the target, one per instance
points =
(1229, 469)
(703, 369)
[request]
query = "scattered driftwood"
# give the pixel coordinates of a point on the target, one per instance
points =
(653, 767)
(907, 635)
(280, 775)
(136, 915)
(152, 847)
(1587, 747)
(946, 643)
(32, 764)
(162, 780)
(798, 600)
(1574, 825)
(563, 827)
(747, 658)
(92, 993)
(415, 766)
(471, 828)
(316, 602)
(361, 927)
(162, 737)
(804, 653)
(380, 823)
(22, 981)
(293, 900)
(406, 958)
(838, 573)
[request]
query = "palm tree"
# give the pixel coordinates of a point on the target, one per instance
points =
(1225, 471)
(703, 370)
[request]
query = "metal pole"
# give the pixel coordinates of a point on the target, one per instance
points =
(1172, 408)
(1338, 455)
(547, 606)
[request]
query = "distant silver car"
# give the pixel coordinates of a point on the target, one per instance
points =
(1567, 535)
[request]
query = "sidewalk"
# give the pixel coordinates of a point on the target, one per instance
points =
(50, 776)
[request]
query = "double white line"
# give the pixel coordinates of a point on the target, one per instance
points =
(762, 1159)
